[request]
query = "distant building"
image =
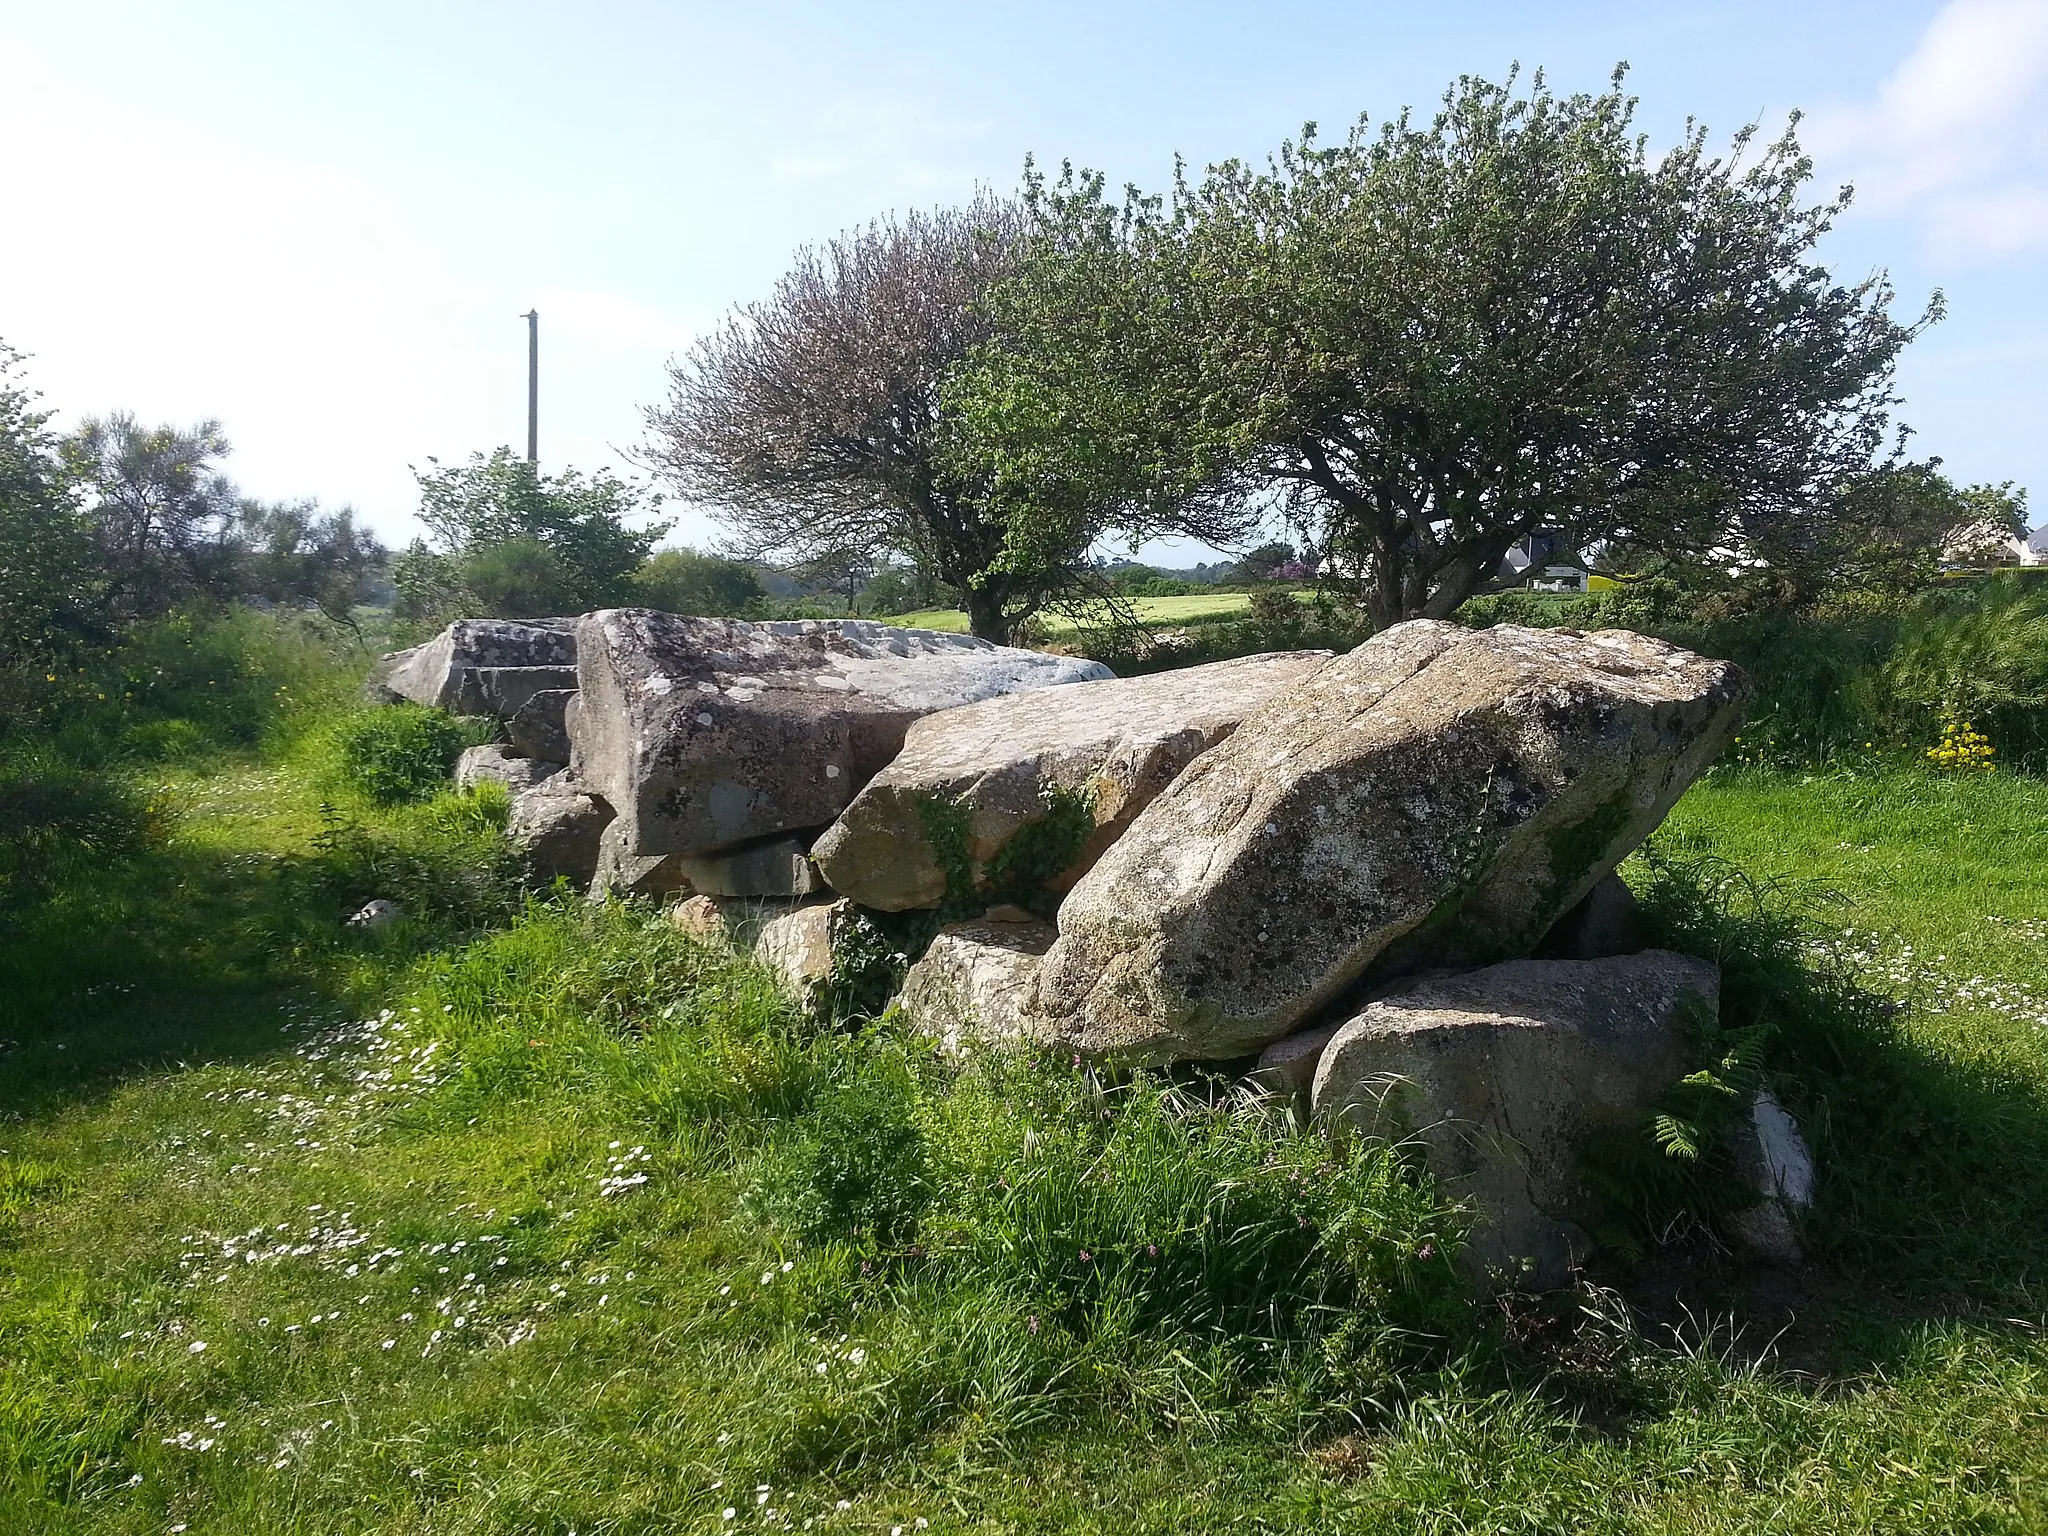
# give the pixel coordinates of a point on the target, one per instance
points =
(1981, 546)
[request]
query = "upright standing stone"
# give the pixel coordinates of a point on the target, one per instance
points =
(1436, 797)
(708, 733)
(1115, 744)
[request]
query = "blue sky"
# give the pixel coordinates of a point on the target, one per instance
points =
(319, 222)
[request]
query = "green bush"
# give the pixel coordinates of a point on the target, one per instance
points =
(396, 755)
(445, 862)
(57, 821)
(856, 1166)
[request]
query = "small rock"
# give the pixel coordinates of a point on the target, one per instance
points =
(1009, 912)
(777, 869)
(1289, 1066)
(1608, 921)
(559, 829)
(701, 917)
(798, 946)
(624, 874)
(517, 774)
(1773, 1158)
(972, 982)
(539, 728)
(376, 914)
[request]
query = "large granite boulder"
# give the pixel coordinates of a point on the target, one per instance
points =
(494, 763)
(708, 733)
(558, 828)
(1115, 744)
(1500, 1075)
(1439, 796)
(442, 673)
(539, 727)
(972, 982)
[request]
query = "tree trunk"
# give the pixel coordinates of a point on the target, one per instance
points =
(985, 615)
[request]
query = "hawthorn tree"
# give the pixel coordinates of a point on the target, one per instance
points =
(1426, 343)
(507, 541)
(820, 422)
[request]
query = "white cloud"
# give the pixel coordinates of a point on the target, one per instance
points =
(1957, 139)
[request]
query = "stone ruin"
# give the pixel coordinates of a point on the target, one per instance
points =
(1382, 883)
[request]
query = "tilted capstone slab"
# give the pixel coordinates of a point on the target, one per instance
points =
(1439, 796)
(442, 673)
(996, 769)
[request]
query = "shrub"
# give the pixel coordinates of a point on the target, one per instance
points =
(855, 1167)
(396, 755)
(444, 862)
(56, 820)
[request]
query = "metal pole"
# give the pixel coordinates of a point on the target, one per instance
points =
(532, 386)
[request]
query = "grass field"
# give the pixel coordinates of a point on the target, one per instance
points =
(531, 1229)
(1153, 613)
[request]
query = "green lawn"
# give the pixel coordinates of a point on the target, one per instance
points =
(1153, 613)
(303, 1230)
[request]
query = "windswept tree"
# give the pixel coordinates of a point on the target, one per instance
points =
(296, 554)
(818, 421)
(164, 513)
(1430, 341)
(507, 541)
(170, 528)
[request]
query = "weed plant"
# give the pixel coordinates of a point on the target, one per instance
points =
(395, 755)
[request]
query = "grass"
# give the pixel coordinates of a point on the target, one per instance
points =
(605, 1196)
(1153, 613)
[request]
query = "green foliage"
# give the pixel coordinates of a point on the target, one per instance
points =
(1042, 848)
(506, 540)
(1858, 676)
(1979, 653)
(1676, 1168)
(572, 1107)
(444, 861)
(946, 828)
(899, 588)
(395, 755)
(709, 586)
(869, 957)
(1380, 331)
(58, 823)
(855, 1166)
(52, 587)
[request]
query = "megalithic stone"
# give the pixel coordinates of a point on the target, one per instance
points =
(1439, 796)
(704, 734)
